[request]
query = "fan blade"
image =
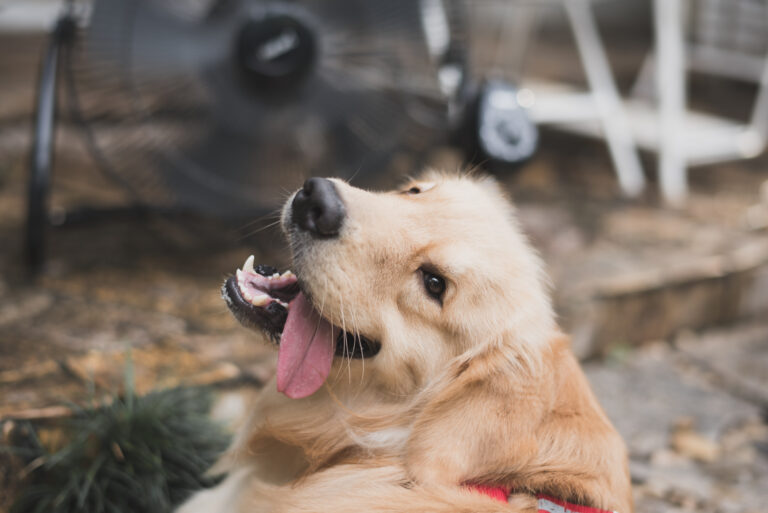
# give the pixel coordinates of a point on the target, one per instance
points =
(142, 39)
(375, 46)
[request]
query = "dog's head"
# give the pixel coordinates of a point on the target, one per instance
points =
(396, 285)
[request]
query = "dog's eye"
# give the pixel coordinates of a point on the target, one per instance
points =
(413, 190)
(434, 284)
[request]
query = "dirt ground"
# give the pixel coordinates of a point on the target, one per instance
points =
(689, 395)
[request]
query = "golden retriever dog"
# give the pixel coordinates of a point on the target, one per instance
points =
(419, 360)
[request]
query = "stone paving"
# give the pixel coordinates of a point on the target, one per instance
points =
(697, 442)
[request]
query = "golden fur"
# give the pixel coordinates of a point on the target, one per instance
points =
(481, 389)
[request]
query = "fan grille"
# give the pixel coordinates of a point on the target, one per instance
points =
(160, 95)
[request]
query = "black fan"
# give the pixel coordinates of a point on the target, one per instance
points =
(219, 105)
(226, 101)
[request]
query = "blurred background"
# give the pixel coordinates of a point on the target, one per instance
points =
(146, 145)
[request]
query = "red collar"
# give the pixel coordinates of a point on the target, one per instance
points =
(546, 504)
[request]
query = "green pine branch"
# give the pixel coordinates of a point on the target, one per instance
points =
(136, 454)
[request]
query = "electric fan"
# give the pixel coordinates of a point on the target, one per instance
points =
(215, 105)
(222, 105)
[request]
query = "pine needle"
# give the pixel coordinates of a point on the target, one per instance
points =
(136, 454)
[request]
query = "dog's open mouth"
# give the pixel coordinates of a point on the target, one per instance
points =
(262, 298)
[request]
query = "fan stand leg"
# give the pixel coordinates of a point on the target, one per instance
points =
(43, 145)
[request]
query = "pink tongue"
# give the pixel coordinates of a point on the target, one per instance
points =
(306, 350)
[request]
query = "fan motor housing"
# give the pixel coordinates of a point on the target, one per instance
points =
(275, 52)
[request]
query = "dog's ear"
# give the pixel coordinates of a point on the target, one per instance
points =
(531, 425)
(473, 175)
(434, 175)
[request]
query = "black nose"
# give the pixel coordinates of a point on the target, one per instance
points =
(317, 208)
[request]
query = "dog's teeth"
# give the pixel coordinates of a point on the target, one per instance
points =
(286, 274)
(248, 265)
(260, 300)
(276, 275)
(240, 276)
(282, 303)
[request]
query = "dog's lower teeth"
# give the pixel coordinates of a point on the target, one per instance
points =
(259, 300)
(255, 291)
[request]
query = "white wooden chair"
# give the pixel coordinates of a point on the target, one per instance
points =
(597, 111)
(727, 38)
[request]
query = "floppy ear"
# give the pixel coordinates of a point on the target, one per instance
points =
(533, 427)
